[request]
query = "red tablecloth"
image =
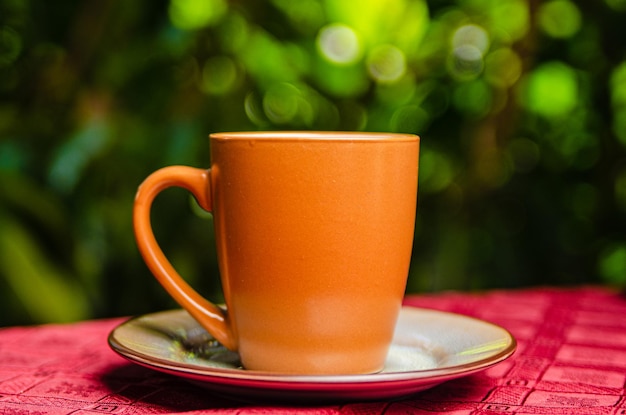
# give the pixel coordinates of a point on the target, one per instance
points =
(571, 359)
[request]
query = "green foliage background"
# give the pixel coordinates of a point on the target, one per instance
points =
(521, 106)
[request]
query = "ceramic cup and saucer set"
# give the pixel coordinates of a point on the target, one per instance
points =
(314, 233)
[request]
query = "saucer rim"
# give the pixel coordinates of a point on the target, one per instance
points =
(234, 376)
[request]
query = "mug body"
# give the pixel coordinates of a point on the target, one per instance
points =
(314, 234)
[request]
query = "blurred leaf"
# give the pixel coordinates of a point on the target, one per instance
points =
(267, 60)
(47, 292)
(73, 156)
(21, 194)
(613, 264)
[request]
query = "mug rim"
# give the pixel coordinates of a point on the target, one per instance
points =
(314, 136)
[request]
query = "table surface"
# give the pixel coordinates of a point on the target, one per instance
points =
(571, 358)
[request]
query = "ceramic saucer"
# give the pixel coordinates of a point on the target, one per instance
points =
(429, 347)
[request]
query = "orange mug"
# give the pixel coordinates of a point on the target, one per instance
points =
(314, 232)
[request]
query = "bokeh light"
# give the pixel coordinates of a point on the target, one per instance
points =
(219, 75)
(551, 90)
(612, 265)
(339, 44)
(472, 35)
(559, 18)
(282, 102)
(510, 18)
(253, 108)
(402, 23)
(503, 68)
(386, 64)
(196, 14)
(466, 62)
(469, 44)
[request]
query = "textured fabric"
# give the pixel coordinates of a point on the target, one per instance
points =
(571, 359)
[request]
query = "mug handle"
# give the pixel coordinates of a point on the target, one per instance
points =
(197, 181)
